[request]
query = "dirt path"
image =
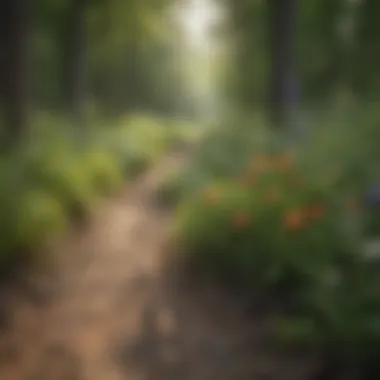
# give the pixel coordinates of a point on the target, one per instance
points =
(113, 310)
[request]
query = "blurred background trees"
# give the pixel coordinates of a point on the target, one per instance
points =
(324, 50)
(111, 56)
(78, 56)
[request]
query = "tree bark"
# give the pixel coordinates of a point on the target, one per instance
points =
(284, 86)
(74, 60)
(14, 65)
(366, 55)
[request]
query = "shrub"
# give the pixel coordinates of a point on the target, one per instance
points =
(269, 225)
(38, 216)
(106, 171)
(293, 226)
(29, 214)
(61, 174)
(340, 317)
(139, 141)
(67, 176)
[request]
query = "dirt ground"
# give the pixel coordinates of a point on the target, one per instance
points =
(110, 308)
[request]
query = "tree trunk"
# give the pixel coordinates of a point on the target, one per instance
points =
(366, 57)
(284, 86)
(74, 60)
(14, 65)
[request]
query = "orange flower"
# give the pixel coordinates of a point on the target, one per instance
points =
(294, 220)
(285, 161)
(316, 211)
(210, 195)
(272, 196)
(241, 220)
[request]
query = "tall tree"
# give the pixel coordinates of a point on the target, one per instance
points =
(74, 60)
(284, 86)
(366, 57)
(14, 65)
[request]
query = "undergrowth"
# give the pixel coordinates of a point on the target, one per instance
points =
(60, 174)
(291, 220)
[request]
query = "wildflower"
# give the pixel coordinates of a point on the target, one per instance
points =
(294, 219)
(210, 195)
(316, 211)
(241, 220)
(285, 161)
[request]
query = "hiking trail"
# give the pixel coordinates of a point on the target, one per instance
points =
(110, 308)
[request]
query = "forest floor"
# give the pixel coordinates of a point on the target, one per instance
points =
(110, 307)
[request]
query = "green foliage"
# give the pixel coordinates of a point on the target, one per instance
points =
(29, 213)
(106, 170)
(61, 174)
(140, 139)
(130, 52)
(221, 151)
(288, 219)
(261, 225)
(340, 316)
(335, 50)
